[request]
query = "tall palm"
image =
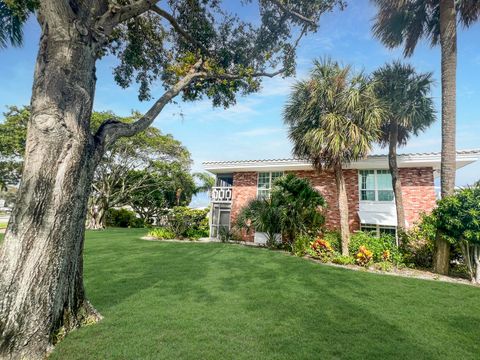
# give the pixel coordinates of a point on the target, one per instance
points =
(404, 23)
(409, 110)
(333, 119)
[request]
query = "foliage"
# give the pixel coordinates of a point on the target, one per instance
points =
(13, 134)
(206, 182)
(417, 244)
(161, 233)
(364, 256)
(225, 234)
(148, 171)
(301, 207)
(322, 250)
(123, 218)
(379, 246)
(405, 98)
(334, 238)
(183, 221)
(13, 14)
(301, 244)
(457, 217)
(404, 23)
(343, 260)
(333, 116)
(293, 209)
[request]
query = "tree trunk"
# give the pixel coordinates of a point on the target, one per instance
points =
(448, 42)
(396, 184)
(41, 268)
(96, 217)
(342, 207)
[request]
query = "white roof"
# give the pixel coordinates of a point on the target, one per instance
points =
(431, 160)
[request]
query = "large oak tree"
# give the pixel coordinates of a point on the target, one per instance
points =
(196, 48)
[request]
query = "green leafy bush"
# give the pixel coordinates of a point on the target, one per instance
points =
(417, 244)
(162, 233)
(123, 218)
(301, 245)
(343, 260)
(377, 245)
(457, 218)
(334, 238)
(185, 222)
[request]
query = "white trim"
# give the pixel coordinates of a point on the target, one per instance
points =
(428, 160)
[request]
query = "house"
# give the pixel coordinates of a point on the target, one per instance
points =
(368, 182)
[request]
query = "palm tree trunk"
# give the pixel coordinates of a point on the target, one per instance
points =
(448, 42)
(396, 184)
(342, 207)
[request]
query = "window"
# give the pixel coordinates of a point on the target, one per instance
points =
(375, 185)
(265, 182)
(378, 230)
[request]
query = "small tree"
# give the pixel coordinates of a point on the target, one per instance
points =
(457, 216)
(333, 119)
(293, 208)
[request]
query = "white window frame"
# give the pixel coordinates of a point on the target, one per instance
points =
(269, 181)
(377, 228)
(375, 190)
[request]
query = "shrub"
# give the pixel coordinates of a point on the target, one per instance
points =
(161, 233)
(457, 218)
(381, 247)
(343, 260)
(322, 250)
(364, 257)
(301, 245)
(335, 239)
(383, 266)
(417, 244)
(182, 220)
(123, 218)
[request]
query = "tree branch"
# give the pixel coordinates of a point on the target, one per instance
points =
(111, 130)
(178, 28)
(293, 13)
(117, 14)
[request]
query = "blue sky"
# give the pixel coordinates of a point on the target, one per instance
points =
(253, 129)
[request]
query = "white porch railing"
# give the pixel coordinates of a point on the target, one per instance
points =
(221, 194)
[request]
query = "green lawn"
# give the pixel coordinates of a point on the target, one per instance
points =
(3, 225)
(219, 301)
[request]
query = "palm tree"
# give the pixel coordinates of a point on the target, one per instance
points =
(409, 110)
(404, 23)
(293, 208)
(333, 119)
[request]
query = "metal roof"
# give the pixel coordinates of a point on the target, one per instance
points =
(379, 161)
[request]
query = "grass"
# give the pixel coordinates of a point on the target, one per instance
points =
(219, 301)
(3, 225)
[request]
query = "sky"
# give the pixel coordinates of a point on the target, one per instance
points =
(253, 129)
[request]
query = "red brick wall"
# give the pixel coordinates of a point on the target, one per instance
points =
(244, 189)
(418, 192)
(417, 188)
(324, 182)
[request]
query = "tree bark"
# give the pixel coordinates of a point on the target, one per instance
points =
(396, 184)
(342, 207)
(41, 267)
(448, 42)
(96, 217)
